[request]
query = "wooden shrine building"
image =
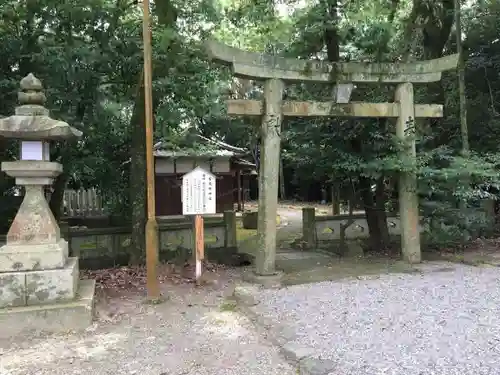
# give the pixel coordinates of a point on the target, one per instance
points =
(229, 164)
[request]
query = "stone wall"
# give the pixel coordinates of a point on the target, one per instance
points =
(323, 232)
(325, 228)
(328, 227)
(108, 247)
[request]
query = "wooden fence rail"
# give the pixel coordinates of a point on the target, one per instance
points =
(83, 203)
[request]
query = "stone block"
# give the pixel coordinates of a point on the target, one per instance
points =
(295, 352)
(317, 366)
(82, 245)
(50, 286)
(250, 220)
(246, 294)
(266, 281)
(12, 289)
(104, 243)
(52, 318)
(14, 258)
(39, 287)
(230, 238)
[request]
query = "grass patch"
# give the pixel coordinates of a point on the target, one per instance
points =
(228, 306)
(243, 234)
(155, 301)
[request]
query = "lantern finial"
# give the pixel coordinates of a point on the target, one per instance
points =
(31, 91)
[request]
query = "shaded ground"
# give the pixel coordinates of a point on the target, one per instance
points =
(321, 209)
(478, 252)
(308, 266)
(194, 332)
(289, 228)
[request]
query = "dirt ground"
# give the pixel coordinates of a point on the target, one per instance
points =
(321, 209)
(195, 331)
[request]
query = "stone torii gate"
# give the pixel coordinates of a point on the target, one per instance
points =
(275, 72)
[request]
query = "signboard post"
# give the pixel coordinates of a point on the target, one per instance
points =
(198, 199)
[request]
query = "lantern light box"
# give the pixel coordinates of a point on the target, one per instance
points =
(35, 150)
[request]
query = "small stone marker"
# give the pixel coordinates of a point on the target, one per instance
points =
(342, 92)
(198, 198)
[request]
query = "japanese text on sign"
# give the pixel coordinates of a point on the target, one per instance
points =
(198, 192)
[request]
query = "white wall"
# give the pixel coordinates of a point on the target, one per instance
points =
(185, 164)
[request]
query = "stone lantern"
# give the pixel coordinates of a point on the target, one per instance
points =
(39, 284)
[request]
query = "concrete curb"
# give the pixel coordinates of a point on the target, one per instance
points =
(299, 356)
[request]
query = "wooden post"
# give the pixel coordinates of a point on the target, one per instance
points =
(153, 285)
(199, 246)
(268, 177)
(408, 198)
(198, 198)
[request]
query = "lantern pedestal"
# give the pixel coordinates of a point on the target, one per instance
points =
(37, 278)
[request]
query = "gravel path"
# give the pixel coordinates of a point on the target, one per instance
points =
(291, 227)
(191, 334)
(437, 323)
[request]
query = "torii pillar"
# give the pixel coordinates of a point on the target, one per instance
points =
(268, 177)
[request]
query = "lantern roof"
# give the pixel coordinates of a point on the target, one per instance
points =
(32, 120)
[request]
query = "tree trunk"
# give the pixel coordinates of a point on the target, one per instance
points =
(336, 200)
(436, 32)
(3, 157)
(376, 217)
(464, 132)
(380, 203)
(282, 181)
(57, 196)
(332, 42)
(138, 176)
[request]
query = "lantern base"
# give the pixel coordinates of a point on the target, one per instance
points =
(40, 287)
(75, 315)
